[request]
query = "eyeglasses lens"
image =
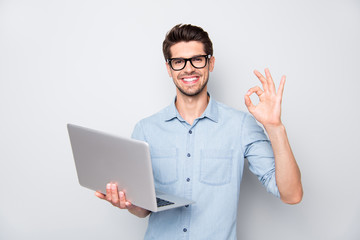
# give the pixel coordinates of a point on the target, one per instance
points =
(197, 62)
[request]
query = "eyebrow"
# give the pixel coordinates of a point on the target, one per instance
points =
(198, 55)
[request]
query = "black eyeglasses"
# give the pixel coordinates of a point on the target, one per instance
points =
(178, 64)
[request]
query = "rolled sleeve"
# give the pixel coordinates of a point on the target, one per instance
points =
(259, 153)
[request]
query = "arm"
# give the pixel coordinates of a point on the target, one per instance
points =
(118, 199)
(268, 113)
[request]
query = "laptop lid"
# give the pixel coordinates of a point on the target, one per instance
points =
(101, 158)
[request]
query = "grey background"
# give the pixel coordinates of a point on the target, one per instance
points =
(99, 64)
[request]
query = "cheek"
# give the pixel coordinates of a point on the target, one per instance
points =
(174, 75)
(205, 74)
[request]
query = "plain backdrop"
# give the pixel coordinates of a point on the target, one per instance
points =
(100, 64)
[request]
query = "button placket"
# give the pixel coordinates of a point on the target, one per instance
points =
(187, 177)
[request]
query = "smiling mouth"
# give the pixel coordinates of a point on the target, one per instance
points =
(190, 79)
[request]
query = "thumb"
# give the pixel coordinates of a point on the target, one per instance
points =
(250, 106)
(99, 195)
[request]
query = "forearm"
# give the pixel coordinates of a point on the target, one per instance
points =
(287, 172)
(139, 212)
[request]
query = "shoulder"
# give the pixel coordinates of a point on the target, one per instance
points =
(157, 119)
(150, 123)
(229, 113)
(240, 121)
(159, 116)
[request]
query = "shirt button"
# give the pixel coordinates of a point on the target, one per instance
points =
(190, 132)
(185, 230)
(188, 155)
(188, 179)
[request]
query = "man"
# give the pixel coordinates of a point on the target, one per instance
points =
(198, 146)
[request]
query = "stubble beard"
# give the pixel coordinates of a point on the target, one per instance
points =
(192, 94)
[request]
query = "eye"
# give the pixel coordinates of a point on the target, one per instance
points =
(178, 61)
(197, 59)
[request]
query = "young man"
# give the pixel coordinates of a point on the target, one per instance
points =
(198, 146)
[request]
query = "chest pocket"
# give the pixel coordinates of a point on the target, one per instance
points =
(215, 166)
(164, 163)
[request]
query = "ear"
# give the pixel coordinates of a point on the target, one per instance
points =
(211, 63)
(168, 68)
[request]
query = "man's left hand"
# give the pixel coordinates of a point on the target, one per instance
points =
(268, 110)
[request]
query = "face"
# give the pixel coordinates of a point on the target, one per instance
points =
(190, 81)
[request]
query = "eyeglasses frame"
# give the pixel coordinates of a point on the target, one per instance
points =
(207, 57)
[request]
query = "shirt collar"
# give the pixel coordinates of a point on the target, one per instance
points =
(211, 111)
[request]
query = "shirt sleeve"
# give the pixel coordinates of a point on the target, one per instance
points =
(259, 153)
(138, 132)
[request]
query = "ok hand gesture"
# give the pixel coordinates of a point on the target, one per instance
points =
(268, 111)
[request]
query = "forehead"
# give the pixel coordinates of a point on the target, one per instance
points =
(187, 49)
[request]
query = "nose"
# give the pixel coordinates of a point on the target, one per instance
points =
(188, 67)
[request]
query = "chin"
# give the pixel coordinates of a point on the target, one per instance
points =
(193, 93)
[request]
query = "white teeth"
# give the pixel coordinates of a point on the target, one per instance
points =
(189, 79)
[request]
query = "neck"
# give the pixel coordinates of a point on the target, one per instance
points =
(191, 107)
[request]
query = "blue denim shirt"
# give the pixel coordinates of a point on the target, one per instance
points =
(204, 162)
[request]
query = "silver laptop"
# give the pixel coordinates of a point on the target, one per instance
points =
(101, 158)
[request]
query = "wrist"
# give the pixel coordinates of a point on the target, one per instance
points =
(274, 127)
(274, 130)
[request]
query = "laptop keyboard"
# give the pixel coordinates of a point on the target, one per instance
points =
(161, 202)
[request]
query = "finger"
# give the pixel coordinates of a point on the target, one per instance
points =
(270, 81)
(108, 192)
(122, 199)
(99, 195)
(262, 79)
(281, 86)
(256, 90)
(249, 104)
(129, 205)
(114, 195)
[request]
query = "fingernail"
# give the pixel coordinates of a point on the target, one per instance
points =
(108, 186)
(113, 187)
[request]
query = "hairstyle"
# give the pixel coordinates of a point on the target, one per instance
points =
(186, 33)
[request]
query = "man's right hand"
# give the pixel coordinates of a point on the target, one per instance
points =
(118, 199)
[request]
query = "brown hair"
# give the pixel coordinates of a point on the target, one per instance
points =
(186, 33)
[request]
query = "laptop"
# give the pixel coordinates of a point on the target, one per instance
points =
(101, 158)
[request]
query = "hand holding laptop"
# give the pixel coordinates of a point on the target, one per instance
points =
(118, 199)
(106, 163)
